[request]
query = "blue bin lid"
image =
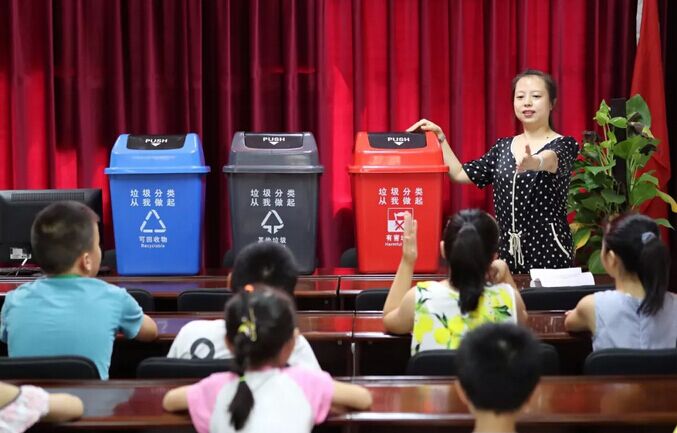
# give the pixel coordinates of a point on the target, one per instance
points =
(272, 152)
(157, 154)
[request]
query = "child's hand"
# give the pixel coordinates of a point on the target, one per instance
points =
(499, 272)
(409, 250)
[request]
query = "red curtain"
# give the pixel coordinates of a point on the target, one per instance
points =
(74, 74)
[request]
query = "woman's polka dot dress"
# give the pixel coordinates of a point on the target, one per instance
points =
(540, 205)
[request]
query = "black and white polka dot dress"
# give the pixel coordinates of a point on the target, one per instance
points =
(540, 235)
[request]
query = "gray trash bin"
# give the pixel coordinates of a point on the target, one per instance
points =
(273, 181)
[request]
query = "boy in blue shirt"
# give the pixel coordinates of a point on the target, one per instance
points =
(69, 312)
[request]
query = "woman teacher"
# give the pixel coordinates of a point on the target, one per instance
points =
(530, 173)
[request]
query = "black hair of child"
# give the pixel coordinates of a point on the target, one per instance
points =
(266, 263)
(498, 366)
(61, 233)
(258, 324)
(635, 239)
(470, 243)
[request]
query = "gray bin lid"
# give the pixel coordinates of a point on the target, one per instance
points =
(273, 153)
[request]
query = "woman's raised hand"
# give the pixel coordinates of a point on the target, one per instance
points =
(529, 161)
(426, 125)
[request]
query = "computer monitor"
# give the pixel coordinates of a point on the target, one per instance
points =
(18, 209)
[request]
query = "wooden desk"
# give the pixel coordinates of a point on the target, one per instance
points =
(329, 334)
(407, 404)
(379, 353)
(332, 334)
(317, 325)
(311, 293)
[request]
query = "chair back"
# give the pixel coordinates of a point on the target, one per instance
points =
(557, 298)
(348, 258)
(174, 368)
(47, 367)
(371, 300)
(631, 362)
(442, 362)
(202, 300)
(144, 298)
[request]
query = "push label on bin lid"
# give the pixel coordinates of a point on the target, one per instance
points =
(155, 142)
(273, 141)
(386, 140)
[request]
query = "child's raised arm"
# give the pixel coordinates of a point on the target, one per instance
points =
(350, 396)
(398, 310)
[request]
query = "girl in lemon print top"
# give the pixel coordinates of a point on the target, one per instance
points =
(479, 289)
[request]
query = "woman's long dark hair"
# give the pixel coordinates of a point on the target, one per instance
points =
(635, 239)
(258, 324)
(470, 242)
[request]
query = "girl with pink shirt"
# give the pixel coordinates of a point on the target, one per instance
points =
(263, 394)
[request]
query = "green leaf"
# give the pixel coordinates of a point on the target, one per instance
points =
(668, 199)
(629, 147)
(602, 118)
(595, 264)
(593, 202)
(581, 237)
(642, 192)
(599, 168)
(637, 104)
(619, 122)
(663, 222)
(647, 177)
(586, 216)
(612, 196)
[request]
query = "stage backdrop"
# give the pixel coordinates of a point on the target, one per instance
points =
(74, 74)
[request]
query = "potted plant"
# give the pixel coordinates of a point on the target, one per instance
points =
(599, 190)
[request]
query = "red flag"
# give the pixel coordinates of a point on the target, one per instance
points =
(647, 80)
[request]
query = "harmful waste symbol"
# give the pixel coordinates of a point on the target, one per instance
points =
(272, 222)
(153, 223)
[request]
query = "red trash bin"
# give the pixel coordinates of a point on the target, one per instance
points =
(395, 173)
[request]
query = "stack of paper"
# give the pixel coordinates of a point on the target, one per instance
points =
(561, 277)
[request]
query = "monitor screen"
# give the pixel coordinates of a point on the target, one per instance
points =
(18, 209)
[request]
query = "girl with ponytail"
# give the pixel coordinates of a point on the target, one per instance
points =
(262, 394)
(639, 313)
(479, 288)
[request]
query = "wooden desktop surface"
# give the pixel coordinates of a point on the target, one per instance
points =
(547, 325)
(313, 325)
(324, 281)
(407, 404)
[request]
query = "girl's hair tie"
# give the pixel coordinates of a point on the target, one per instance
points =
(647, 237)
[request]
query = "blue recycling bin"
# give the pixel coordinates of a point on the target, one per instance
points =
(157, 186)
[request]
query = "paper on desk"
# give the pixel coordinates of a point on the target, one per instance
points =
(561, 277)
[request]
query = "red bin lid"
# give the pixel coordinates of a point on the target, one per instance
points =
(397, 152)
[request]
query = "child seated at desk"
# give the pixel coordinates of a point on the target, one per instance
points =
(263, 395)
(266, 263)
(639, 313)
(69, 312)
(21, 407)
(479, 288)
(498, 367)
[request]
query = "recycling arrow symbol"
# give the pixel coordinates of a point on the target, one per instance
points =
(272, 222)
